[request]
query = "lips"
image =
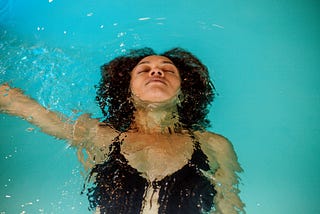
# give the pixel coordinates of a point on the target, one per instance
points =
(156, 80)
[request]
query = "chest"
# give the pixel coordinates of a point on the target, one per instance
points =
(157, 156)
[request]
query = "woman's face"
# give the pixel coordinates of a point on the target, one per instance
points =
(155, 79)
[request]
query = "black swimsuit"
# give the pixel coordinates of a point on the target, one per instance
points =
(120, 189)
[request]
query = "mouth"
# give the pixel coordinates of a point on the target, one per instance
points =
(156, 80)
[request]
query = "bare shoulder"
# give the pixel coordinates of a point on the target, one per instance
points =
(92, 140)
(220, 148)
(215, 141)
(224, 163)
(91, 132)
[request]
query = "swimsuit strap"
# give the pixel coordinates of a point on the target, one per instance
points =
(117, 187)
(198, 158)
(187, 190)
(194, 139)
(115, 146)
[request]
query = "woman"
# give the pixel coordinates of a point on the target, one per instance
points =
(151, 153)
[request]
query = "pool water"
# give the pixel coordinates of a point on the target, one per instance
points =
(262, 55)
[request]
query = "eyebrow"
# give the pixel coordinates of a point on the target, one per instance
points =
(163, 62)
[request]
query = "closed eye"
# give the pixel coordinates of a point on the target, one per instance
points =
(143, 69)
(169, 68)
(169, 71)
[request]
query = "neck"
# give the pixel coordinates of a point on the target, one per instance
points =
(156, 117)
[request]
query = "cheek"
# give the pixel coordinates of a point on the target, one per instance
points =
(134, 86)
(177, 84)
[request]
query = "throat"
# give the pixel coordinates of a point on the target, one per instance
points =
(156, 117)
(156, 121)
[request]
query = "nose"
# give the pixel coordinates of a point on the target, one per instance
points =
(156, 72)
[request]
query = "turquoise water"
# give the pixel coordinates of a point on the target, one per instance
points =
(264, 60)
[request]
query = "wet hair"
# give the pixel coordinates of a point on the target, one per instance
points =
(113, 91)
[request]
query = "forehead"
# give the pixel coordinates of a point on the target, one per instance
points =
(155, 59)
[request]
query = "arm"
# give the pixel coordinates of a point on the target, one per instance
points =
(85, 133)
(224, 164)
(14, 102)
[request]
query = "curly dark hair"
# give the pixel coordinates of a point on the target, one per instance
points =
(113, 92)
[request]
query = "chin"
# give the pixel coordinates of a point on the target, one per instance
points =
(163, 100)
(156, 99)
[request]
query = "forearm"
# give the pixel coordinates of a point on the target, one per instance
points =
(49, 122)
(14, 102)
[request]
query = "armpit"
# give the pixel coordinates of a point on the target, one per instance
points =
(84, 130)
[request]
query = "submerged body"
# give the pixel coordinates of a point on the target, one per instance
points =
(127, 190)
(149, 170)
(151, 155)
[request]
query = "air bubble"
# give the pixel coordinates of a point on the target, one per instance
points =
(29, 129)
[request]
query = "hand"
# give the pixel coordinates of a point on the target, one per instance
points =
(4, 87)
(7, 95)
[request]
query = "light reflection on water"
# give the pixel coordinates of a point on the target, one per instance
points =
(39, 174)
(60, 80)
(264, 57)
